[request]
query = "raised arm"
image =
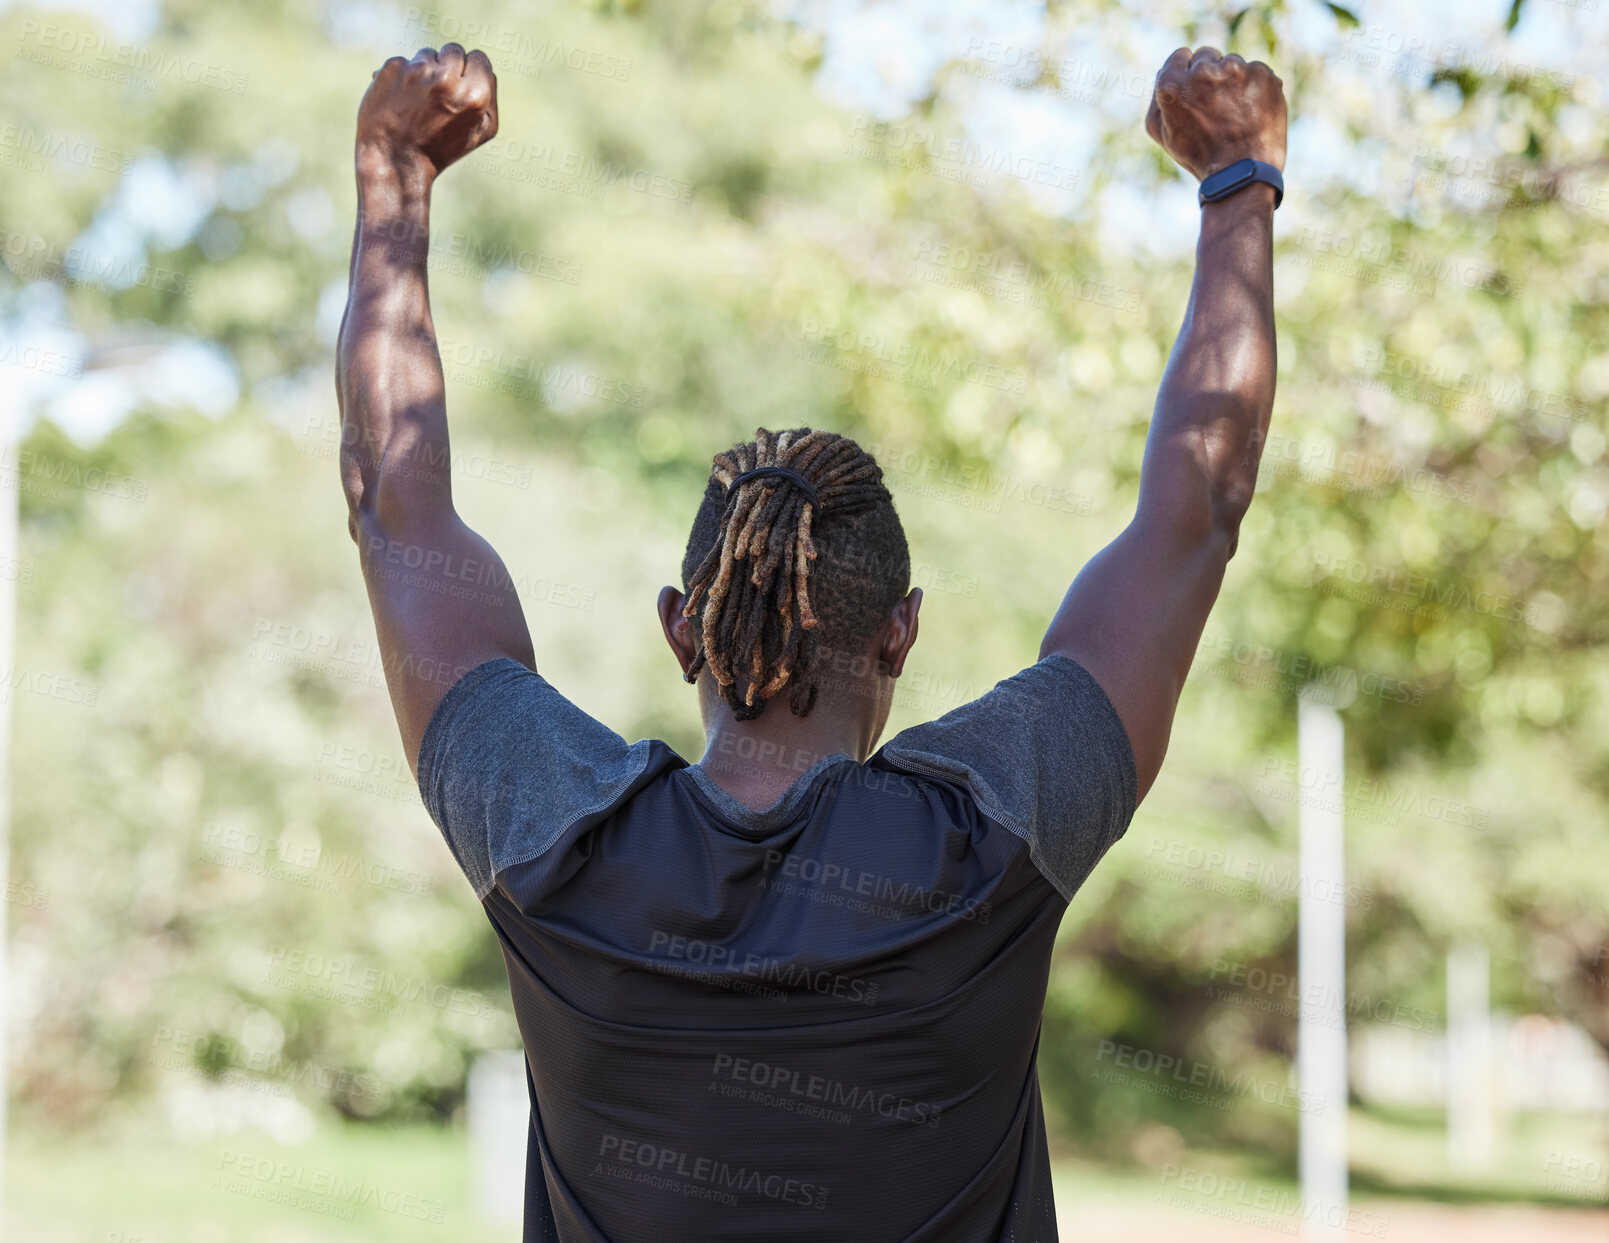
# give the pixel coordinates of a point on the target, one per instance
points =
(1134, 614)
(442, 600)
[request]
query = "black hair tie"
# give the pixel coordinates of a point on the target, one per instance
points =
(782, 472)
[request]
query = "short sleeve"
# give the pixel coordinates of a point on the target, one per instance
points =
(1045, 755)
(508, 765)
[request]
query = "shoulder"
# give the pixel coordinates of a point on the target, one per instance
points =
(508, 764)
(1044, 755)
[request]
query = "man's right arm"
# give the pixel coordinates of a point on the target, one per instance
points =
(443, 602)
(1134, 615)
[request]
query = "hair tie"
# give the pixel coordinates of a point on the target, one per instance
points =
(782, 472)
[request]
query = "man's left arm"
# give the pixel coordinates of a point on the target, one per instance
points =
(442, 600)
(1134, 615)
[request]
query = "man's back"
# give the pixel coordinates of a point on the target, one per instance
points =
(730, 1015)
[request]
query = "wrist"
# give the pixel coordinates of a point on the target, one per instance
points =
(393, 169)
(1217, 166)
(393, 201)
(1257, 198)
(1237, 177)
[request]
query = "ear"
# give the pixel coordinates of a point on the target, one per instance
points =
(678, 631)
(899, 633)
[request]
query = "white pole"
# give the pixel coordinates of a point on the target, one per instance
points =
(499, 1124)
(1470, 1124)
(1321, 968)
(10, 572)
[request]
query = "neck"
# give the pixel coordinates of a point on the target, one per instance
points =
(756, 761)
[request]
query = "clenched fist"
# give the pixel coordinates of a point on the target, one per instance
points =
(1208, 111)
(428, 111)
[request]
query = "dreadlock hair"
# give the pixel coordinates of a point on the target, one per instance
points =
(769, 572)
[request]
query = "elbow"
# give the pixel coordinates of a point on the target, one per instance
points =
(386, 506)
(358, 488)
(368, 523)
(1208, 527)
(1199, 517)
(369, 515)
(378, 494)
(370, 507)
(1206, 469)
(361, 522)
(354, 477)
(1229, 508)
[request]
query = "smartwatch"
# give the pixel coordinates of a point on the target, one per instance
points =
(1238, 176)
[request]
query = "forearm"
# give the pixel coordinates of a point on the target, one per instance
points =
(1217, 393)
(394, 449)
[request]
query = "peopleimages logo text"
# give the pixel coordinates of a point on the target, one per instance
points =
(719, 1175)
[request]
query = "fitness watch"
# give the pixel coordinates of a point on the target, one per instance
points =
(1238, 176)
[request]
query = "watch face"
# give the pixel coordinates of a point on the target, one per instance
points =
(1231, 178)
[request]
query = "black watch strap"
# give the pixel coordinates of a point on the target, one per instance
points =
(1238, 176)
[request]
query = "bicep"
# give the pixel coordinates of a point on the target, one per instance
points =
(1134, 616)
(443, 603)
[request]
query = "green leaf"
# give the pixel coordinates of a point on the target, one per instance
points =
(1513, 15)
(1343, 15)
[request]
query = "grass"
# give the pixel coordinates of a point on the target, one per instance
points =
(1557, 1159)
(348, 1184)
(411, 1184)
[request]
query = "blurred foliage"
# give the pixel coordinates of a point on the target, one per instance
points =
(680, 240)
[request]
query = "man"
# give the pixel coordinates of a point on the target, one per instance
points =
(792, 991)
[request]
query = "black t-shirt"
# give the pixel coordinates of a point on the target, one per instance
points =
(817, 1021)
